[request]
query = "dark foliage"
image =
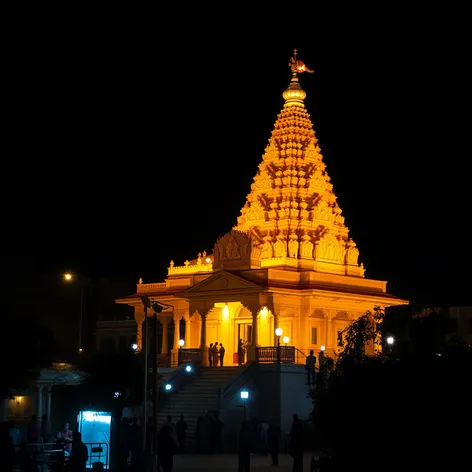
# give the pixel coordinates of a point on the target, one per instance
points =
(404, 408)
(27, 348)
(111, 383)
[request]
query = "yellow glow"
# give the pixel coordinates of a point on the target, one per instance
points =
(68, 277)
(80, 350)
(279, 331)
(286, 339)
(264, 312)
(181, 342)
(19, 400)
(323, 348)
(207, 260)
(226, 312)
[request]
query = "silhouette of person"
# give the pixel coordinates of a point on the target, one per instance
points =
(181, 428)
(166, 445)
(222, 354)
(79, 454)
(241, 352)
(273, 442)
(296, 444)
(244, 448)
(210, 355)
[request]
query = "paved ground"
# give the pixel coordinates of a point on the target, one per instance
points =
(229, 463)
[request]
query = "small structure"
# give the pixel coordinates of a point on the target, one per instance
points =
(37, 399)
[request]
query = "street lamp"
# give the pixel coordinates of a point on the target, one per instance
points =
(278, 333)
(286, 340)
(68, 277)
(390, 340)
(244, 397)
(134, 347)
(181, 343)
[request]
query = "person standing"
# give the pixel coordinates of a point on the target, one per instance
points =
(296, 444)
(210, 355)
(45, 429)
(240, 352)
(181, 428)
(273, 442)
(310, 368)
(79, 454)
(65, 436)
(215, 354)
(222, 354)
(166, 449)
(244, 448)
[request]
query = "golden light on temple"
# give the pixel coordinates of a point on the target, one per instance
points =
(68, 277)
(279, 267)
(226, 312)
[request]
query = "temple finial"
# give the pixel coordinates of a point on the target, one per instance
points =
(296, 65)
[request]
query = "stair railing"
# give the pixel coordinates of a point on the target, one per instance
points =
(228, 391)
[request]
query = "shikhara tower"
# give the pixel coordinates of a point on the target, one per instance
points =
(291, 210)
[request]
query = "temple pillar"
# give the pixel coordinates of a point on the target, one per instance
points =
(203, 346)
(251, 352)
(330, 341)
(48, 404)
(39, 406)
(175, 344)
(139, 318)
(165, 336)
(187, 331)
(176, 332)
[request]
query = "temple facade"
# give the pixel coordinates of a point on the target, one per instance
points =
(288, 263)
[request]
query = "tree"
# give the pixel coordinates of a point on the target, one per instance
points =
(27, 347)
(111, 382)
(405, 408)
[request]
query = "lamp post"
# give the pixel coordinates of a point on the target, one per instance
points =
(157, 308)
(244, 397)
(278, 333)
(181, 343)
(286, 340)
(69, 277)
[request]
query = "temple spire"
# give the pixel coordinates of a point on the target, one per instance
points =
(291, 210)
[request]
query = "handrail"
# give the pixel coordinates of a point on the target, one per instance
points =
(234, 384)
(301, 352)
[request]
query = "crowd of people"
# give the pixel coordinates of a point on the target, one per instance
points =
(24, 451)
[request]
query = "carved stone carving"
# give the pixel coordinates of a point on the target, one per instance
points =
(280, 247)
(323, 212)
(255, 212)
(352, 253)
(328, 248)
(267, 251)
(306, 247)
(317, 181)
(293, 245)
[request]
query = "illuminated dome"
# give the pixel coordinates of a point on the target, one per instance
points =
(294, 95)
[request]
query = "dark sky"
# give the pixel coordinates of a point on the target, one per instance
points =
(128, 145)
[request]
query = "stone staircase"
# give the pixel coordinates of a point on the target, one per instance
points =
(196, 398)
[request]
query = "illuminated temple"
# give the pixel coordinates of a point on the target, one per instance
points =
(289, 262)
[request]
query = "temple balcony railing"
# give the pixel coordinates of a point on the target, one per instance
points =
(147, 288)
(269, 354)
(188, 355)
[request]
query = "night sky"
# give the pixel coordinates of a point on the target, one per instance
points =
(129, 146)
